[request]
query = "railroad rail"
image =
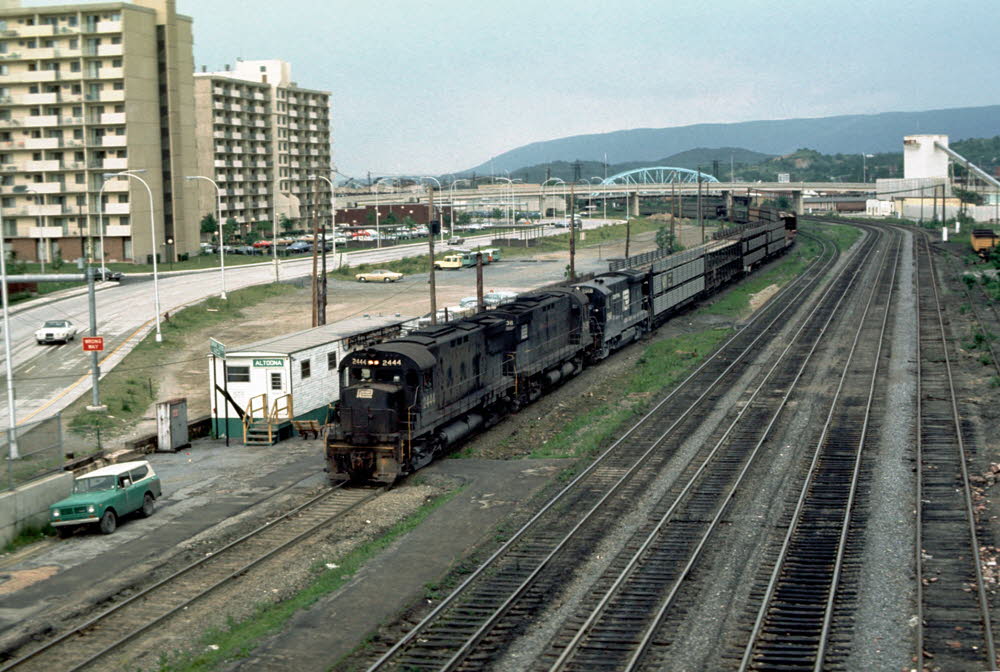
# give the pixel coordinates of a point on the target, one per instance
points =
(619, 623)
(99, 636)
(527, 567)
(954, 630)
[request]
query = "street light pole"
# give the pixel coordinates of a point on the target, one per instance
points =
(431, 213)
(154, 246)
(12, 452)
(218, 217)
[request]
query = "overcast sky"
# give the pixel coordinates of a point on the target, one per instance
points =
(434, 86)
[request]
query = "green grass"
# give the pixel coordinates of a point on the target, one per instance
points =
(661, 365)
(131, 386)
(28, 536)
(239, 638)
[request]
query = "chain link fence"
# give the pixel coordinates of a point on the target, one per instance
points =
(40, 450)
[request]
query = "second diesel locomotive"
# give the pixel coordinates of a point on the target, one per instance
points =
(405, 401)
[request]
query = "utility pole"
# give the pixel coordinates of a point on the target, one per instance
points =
(480, 304)
(322, 277)
(430, 247)
(572, 233)
(673, 217)
(315, 279)
(701, 220)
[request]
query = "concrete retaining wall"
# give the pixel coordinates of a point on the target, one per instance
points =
(28, 506)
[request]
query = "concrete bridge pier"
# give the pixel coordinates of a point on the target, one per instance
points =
(633, 203)
(797, 202)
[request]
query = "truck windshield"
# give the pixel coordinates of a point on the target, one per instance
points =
(94, 484)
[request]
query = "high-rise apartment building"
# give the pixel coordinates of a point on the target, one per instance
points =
(260, 137)
(87, 91)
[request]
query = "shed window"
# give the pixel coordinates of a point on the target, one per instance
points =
(237, 374)
(331, 361)
(306, 369)
(275, 380)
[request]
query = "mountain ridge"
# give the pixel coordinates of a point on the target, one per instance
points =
(845, 134)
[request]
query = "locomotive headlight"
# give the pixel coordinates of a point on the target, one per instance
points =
(90, 508)
(55, 513)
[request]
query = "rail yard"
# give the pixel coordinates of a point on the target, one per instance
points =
(813, 495)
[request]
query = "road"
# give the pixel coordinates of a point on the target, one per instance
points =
(50, 377)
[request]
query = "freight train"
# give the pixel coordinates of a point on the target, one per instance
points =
(405, 401)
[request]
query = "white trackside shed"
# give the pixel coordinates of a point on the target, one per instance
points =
(302, 365)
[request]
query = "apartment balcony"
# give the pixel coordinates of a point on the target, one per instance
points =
(234, 192)
(114, 141)
(260, 164)
(221, 163)
(239, 205)
(259, 109)
(237, 163)
(109, 50)
(293, 113)
(113, 96)
(116, 208)
(293, 152)
(238, 178)
(236, 135)
(11, 123)
(111, 73)
(12, 144)
(47, 187)
(70, 121)
(257, 95)
(114, 164)
(293, 138)
(38, 166)
(260, 205)
(118, 185)
(45, 232)
(108, 27)
(260, 136)
(219, 135)
(42, 143)
(40, 54)
(236, 150)
(221, 178)
(219, 105)
(117, 230)
(313, 115)
(46, 120)
(36, 98)
(45, 210)
(26, 76)
(293, 100)
(260, 124)
(71, 98)
(41, 30)
(112, 118)
(313, 127)
(294, 126)
(294, 164)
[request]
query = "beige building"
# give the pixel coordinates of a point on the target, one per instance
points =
(87, 90)
(260, 137)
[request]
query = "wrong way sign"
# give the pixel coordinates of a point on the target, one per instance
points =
(93, 343)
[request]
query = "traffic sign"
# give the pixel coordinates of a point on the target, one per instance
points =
(218, 349)
(93, 343)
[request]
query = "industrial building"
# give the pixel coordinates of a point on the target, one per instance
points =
(260, 136)
(89, 91)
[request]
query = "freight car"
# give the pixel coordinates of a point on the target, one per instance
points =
(405, 401)
(983, 241)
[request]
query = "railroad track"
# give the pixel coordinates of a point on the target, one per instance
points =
(954, 630)
(618, 623)
(492, 604)
(92, 641)
(795, 622)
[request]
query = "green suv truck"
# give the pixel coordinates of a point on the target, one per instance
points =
(104, 495)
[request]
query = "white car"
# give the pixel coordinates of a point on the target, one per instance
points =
(56, 331)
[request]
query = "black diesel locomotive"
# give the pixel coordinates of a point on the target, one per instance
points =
(404, 401)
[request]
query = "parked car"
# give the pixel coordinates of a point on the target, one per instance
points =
(56, 331)
(101, 497)
(456, 240)
(298, 247)
(380, 275)
(104, 274)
